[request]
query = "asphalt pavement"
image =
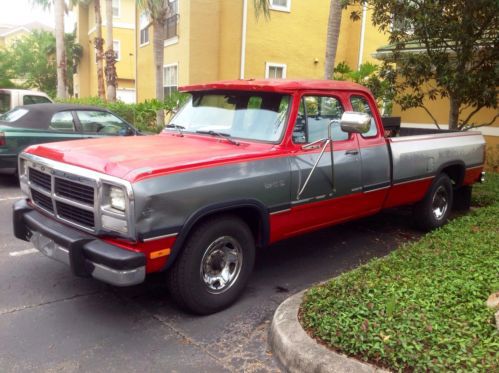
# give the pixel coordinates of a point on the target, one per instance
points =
(53, 321)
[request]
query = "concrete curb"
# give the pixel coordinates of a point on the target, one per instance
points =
(299, 353)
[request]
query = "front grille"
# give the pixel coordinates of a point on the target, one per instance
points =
(41, 179)
(75, 191)
(75, 214)
(42, 200)
(63, 189)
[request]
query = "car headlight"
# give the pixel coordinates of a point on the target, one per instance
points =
(117, 198)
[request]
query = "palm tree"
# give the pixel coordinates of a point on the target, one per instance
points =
(333, 33)
(111, 76)
(59, 8)
(158, 12)
(99, 50)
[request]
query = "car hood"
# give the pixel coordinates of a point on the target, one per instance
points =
(137, 157)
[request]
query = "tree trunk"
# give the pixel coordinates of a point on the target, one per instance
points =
(60, 48)
(454, 113)
(111, 76)
(158, 50)
(99, 50)
(333, 33)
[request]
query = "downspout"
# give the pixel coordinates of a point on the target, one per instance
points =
(243, 39)
(362, 35)
(137, 36)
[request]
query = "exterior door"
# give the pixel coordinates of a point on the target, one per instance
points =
(327, 197)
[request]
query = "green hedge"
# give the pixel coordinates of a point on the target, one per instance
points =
(422, 308)
(142, 115)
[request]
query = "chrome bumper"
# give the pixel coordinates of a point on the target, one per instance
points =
(98, 271)
(86, 255)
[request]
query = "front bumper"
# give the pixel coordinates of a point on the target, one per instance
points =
(87, 255)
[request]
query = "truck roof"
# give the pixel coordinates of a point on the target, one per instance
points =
(275, 85)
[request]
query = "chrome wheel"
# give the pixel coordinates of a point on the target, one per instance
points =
(221, 264)
(440, 203)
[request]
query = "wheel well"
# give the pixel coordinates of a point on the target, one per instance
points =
(455, 173)
(250, 215)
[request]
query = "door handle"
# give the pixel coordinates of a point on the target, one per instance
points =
(352, 152)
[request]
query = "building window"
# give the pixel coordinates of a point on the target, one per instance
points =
(172, 20)
(144, 28)
(170, 79)
(275, 70)
(116, 8)
(116, 49)
(171, 27)
(282, 5)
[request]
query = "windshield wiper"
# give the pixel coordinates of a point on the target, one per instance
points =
(177, 127)
(223, 135)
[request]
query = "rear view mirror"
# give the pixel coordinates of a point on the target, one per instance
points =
(354, 122)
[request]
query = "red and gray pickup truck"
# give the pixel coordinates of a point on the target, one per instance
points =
(242, 165)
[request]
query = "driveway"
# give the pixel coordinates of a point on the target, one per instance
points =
(52, 321)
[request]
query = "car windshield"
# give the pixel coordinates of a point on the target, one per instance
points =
(13, 115)
(257, 116)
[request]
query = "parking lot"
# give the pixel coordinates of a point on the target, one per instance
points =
(52, 321)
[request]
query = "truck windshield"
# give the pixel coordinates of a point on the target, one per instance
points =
(257, 116)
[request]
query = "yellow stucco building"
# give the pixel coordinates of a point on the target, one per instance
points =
(220, 39)
(85, 79)
(10, 33)
(224, 39)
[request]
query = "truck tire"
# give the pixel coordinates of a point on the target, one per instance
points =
(462, 198)
(214, 265)
(433, 211)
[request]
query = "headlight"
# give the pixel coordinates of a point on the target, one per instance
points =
(117, 198)
(23, 167)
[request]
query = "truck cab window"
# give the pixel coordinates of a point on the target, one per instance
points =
(31, 99)
(360, 105)
(314, 115)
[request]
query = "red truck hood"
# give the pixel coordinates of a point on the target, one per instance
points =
(134, 158)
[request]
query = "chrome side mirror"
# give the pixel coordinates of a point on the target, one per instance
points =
(354, 122)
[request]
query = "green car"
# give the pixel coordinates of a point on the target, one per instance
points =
(40, 123)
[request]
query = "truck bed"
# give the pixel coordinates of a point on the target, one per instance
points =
(421, 152)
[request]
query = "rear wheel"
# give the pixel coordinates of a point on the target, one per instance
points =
(214, 266)
(433, 211)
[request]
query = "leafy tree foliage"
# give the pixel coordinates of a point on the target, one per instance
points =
(379, 81)
(443, 49)
(33, 59)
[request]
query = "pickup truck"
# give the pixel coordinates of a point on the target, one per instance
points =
(11, 98)
(243, 164)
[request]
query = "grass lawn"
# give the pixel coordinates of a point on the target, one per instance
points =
(421, 308)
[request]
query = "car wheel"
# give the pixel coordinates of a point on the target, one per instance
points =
(214, 266)
(433, 211)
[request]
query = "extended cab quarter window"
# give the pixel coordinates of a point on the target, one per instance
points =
(314, 115)
(62, 122)
(361, 105)
(102, 123)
